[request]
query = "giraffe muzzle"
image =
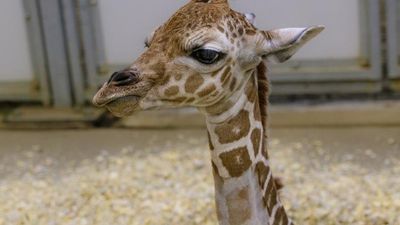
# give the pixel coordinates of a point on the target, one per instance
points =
(119, 85)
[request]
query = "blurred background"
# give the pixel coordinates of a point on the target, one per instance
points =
(335, 117)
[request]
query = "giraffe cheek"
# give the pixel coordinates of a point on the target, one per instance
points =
(208, 90)
(193, 83)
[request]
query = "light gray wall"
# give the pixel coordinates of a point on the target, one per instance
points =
(126, 24)
(398, 39)
(15, 64)
(341, 18)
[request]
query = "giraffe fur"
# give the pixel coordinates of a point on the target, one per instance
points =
(213, 58)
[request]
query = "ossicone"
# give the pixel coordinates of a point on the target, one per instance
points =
(212, 1)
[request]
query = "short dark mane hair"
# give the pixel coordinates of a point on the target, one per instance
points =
(263, 94)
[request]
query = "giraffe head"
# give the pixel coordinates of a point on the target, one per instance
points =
(201, 56)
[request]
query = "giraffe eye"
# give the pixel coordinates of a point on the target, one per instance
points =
(207, 56)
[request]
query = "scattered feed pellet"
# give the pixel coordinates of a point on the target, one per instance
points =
(175, 186)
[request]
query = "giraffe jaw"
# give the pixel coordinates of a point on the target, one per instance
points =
(118, 105)
(123, 106)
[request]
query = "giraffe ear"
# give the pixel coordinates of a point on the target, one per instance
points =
(282, 44)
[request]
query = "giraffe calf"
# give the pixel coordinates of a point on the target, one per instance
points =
(213, 58)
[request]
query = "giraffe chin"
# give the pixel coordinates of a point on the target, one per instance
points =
(123, 106)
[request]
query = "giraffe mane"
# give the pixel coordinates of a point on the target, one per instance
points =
(263, 93)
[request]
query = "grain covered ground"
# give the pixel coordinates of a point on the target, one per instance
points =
(332, 176)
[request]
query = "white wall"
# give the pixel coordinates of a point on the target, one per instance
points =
(398, 29)
(126, 23)
(340, 39)
(15, 64)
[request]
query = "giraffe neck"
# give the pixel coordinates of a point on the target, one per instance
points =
(245, 190)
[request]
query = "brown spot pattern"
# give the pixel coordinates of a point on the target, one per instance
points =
(164, 80)
(251, 93)
(236, 161)
(207, 90)
(262, 172)
(257, 112)
(256, 140)
(278, 216)
(171, 91)
(219, 107)
(225, 73)
(264, 150)
(240, 31)
(285, 219)
(233, 84)
(226, 82)
(250, 32)
(190, 100)
(193, 83)
(179, 99)
(158, 68)
(273, 197)
(216, 72)
(239, 207)
(270, 196)
(234, 129)
(230, 26)
(281, 217)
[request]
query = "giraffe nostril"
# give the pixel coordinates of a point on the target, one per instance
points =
(123, 78)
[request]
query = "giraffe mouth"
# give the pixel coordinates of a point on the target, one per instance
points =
(121, 100)
(123, 106)
(100, 101)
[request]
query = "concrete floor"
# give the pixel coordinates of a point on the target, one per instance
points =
(371, 147)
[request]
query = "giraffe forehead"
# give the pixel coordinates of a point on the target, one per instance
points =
(188, 21)
(194, 15)
(196, 19)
